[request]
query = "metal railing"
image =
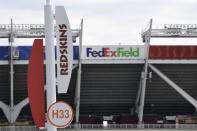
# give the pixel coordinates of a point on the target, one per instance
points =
(28, 31)
(133, 126)
(108, 127)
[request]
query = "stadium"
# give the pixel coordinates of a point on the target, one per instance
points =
(116, 87)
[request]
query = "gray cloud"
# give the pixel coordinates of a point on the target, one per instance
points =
(108, 21)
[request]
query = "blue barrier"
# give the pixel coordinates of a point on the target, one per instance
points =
(4, 52)
(24, 52)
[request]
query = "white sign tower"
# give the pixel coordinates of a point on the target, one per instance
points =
(50, 58)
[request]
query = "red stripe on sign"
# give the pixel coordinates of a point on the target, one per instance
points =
(35, 83)
(173, 52)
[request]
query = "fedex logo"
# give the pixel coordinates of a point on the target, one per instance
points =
(107, 52)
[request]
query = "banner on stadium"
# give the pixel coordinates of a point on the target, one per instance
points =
(114, 52)
(64, 49)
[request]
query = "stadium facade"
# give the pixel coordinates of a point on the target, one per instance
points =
(111, 84)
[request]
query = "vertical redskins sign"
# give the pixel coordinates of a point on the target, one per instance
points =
(64, 49)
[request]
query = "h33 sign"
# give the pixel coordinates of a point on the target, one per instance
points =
(60, 114)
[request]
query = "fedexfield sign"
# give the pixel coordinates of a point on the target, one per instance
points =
(64, 49)
(113, 52)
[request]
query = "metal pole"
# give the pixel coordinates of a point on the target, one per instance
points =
(141, 111)
(6, 110)
(50, 59)
(175, 86)
(78, 86)
(139, 92)
(11, 76)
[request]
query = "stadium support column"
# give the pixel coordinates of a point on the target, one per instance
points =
(189, 98)
(50, 59)
(137, 102)
(11, 40)
(78, 84)
(141, 106)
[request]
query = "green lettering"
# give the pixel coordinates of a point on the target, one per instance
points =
(136, 53)
(127, 53)
(131, 52)
(119, 51)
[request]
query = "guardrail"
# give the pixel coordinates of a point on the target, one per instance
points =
(133, 126)
(108, 127)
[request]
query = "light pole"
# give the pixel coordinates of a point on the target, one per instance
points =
(50, 58)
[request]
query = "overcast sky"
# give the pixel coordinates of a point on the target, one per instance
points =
(107, 22)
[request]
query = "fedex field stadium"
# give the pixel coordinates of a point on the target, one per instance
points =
(111, 84)
(109, 87)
